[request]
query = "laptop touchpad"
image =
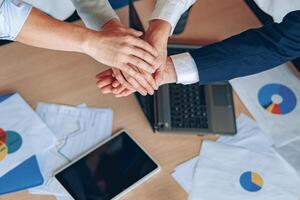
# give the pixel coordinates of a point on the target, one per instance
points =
(219, 93)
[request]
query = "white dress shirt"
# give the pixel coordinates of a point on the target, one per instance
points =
(94, 13)
(171, 10)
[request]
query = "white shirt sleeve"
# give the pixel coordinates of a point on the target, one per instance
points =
(94, 13)
(171, 10)
(186, 68)
(13, 15)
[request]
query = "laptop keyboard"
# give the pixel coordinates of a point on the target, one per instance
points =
(188, 106)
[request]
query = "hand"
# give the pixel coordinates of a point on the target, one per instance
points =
(118, 46)
(144, 83)
(106, 79)
(156, 35)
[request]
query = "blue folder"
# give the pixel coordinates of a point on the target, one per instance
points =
(24, 176)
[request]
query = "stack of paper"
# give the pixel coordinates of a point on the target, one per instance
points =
(273, 97)
(23, 133)
(241, 167)
(77, 129)
(25, 175)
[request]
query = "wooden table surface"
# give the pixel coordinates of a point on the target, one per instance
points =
(68, 78)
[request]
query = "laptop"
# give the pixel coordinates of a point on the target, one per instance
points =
(188, 109)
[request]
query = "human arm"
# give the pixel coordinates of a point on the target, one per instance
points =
(161, 25)
(108, 47)
(248, 53)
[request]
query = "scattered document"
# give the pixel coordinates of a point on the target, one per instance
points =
(250, 140)
(184, 174)
(77, 129)
(291, 153)
(248, 133)
(278, 9)
(273, 97)
(22, 133)
(234, 173)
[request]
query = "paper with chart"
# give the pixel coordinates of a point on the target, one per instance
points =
(248, 133)
(22, 133)
(82, 128)
(272, 97)
(236, 173)
(250, 140)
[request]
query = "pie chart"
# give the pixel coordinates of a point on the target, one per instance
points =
(251, 181)
(277, 99)
(3, 150)
(2, 135)
(13, 141)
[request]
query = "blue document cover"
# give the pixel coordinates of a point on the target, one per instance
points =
(24, 176)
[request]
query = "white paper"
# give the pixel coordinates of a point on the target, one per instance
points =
(184, 174)
(32, 133)
(77, 130)
(220, 167)
(281, 128)
(278, 9)
(248, 136)
(291, 153)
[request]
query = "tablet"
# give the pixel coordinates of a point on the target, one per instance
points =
(109, 170)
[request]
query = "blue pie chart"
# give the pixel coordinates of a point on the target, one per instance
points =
(288, 99)
(251, 181)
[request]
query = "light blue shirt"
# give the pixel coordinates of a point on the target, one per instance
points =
(94, 13)
(13, 14)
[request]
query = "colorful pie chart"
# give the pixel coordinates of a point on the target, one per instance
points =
(251, 181)
(277, 99)
(2, 135)
(13, 141)
(3, 150)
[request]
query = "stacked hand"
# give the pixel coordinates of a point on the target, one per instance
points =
(121, 83)
(118, 46)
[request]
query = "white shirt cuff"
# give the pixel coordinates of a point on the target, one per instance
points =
(94, 13)
(186, 68)
(169, 11)
(13, 15)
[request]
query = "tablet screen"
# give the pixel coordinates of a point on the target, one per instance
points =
(108, 170)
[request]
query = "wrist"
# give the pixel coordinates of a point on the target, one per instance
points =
(87, 41)
(159, 30)
(112, 22)
(160, 26)
(171, 71)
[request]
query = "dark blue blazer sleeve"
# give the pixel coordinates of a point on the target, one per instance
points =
(250, 52)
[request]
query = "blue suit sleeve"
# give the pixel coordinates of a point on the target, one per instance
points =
(250, 52)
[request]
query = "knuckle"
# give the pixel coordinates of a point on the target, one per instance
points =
(127, 38)
(132, 72)
(131, 80)
(125, 49)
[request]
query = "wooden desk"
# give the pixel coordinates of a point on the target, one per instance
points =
(68, 78)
